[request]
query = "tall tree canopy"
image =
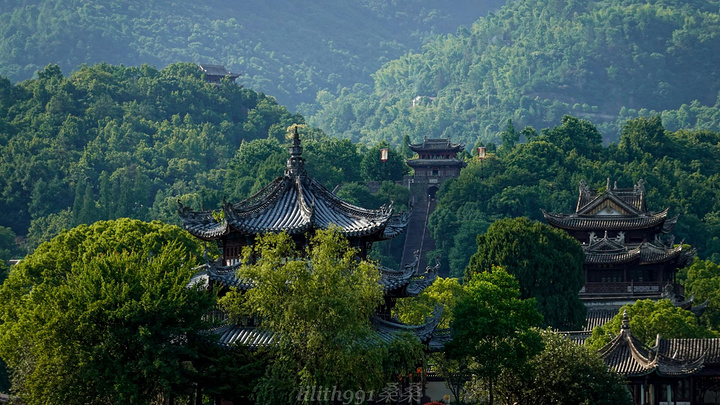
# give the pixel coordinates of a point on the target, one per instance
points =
(547, 263)
(101, 314)
(492, 327)
(563, 373)
(702, 279)
(318, 305)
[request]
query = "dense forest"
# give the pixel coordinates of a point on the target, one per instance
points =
(534, 61)
(287, 49)
(681, 171)
(109, 141)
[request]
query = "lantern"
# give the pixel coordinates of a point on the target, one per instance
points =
(384, 154)
(481, 152)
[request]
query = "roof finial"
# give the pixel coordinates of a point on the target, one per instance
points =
(607, 185)
(625, 321)
(295, 163)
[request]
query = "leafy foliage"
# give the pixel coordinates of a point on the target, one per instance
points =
(535, 61)
(563, 373)
(702, 279)
(546, 261)
(102, 314)
(648, 319)
(444, 292)
(110, 142)
(318, 304)
(492, 327)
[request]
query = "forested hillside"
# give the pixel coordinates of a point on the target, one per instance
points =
(681, 170)
(109, 141)
(287, 49)
(534, 61)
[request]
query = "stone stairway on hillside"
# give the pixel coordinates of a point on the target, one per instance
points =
(418, 236)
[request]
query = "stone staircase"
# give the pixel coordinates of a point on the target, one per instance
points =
(418, 236)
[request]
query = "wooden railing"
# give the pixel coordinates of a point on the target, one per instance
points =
(623, 288)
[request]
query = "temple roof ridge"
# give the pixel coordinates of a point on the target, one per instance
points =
(436, 144)
(630, 199)
(295, 202)
(628, 356)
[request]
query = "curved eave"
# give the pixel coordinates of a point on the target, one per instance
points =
(612, 258)
(610, 222)
(388, 330)
(652, 255)
(298, 204)
(225, 276)
(202, 224)
(435, 163)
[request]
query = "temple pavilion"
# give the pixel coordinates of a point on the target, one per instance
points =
(298, 204)
(672, 371)
(627, 250)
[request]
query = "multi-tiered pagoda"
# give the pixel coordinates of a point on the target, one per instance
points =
(627, 250)
(298, 204)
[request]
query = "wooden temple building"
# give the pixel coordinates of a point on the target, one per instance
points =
(215, 73)
(298, 204)
(671, 372)
(627, 251)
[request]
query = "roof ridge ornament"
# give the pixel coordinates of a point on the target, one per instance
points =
(625, 321)
(295, 163)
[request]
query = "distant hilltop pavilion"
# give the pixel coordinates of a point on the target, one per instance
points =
(627, 252)
(215, 73)
(298, 204)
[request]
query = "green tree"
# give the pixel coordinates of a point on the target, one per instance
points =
(547, 263)
(9, 248)
(373, 169)
(492, 327)
(318, 304)
(702, 279)
(648, 319)
(443, 292)
(563, 373)
(102, 314)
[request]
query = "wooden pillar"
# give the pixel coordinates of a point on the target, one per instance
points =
(642, 394)
(669, 394)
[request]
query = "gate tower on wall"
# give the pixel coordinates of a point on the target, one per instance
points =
(436, 162)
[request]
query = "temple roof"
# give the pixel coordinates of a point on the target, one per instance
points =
(294, 203)
(217, 71)
(611, 222)
(388, 329)
(436, 145)
(233, 335)
(632, 200)
(406, 282)
(628, 356)
(435, 162)
(612, 251)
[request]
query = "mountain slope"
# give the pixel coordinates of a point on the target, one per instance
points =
(288, 49)
(534, 61)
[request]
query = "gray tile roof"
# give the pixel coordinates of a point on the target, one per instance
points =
(609, 222)
(436, 144)
(627, 356)
(632, 199)
(294, 203)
